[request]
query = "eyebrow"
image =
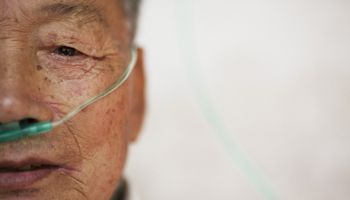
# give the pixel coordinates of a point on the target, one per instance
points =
(85, 12)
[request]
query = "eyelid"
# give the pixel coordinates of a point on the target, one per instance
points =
(77, 51)
(88, 50)
(82, 48)
(76, 59)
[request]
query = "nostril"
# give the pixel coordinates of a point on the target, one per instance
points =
(27, 121)
(32, 121)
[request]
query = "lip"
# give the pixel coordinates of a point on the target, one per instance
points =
(28, 161)
(17, 180)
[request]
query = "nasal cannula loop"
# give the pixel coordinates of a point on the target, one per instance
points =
(15, 130)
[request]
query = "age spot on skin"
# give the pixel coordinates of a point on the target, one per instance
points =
(47, 80)
(39, 68)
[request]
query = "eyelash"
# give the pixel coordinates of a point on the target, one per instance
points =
(63, 50)
(76, 57)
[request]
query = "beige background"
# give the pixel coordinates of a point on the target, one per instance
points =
(278, 74)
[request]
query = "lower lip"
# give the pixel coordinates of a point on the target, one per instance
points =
(16, 180)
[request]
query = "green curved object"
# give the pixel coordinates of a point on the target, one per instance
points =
(14, 130)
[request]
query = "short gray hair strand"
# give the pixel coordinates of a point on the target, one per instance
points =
(131, 10)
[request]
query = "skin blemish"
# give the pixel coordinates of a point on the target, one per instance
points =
(111, 68)
(46, 79)
(39, 68)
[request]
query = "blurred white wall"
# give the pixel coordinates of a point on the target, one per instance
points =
(278, 73)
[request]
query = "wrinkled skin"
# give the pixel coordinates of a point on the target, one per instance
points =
(38, 82)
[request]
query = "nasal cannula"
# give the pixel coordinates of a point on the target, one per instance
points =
(18, 129)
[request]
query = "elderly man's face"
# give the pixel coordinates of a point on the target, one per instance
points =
(54, 55)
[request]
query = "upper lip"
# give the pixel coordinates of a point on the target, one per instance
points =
(20, 153)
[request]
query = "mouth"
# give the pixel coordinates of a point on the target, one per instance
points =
(24, 168)
(13, 177)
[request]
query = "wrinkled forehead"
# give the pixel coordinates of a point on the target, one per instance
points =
(105, 13)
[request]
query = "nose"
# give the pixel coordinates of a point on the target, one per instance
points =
(17, 101)
(16, 105)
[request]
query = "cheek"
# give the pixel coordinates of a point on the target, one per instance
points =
(101, 128)
(109, 118)
(107, 140)
(64, 95)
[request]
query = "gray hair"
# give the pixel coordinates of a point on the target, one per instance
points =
(131, 10)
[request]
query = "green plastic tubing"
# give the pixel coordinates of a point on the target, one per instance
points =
(13, 130)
